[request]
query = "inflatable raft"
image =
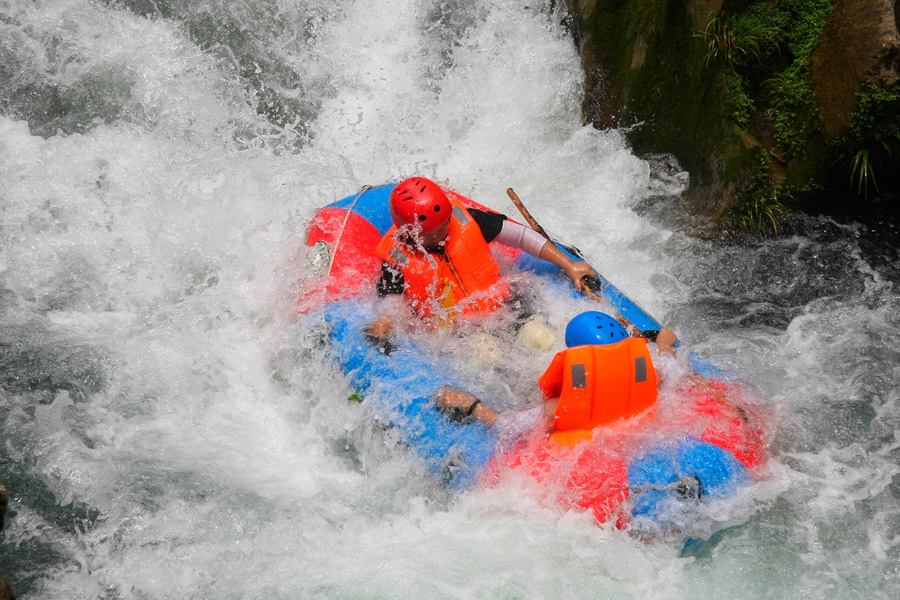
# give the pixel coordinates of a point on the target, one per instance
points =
(706, 445)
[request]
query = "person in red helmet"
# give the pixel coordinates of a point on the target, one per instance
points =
(419, 201)
(437, 256)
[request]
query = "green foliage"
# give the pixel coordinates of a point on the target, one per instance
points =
(873, 141)
(757, 215)
(755, 87)
(862, 170)
(734, 38)
(793, 108)
(803, 23)
(736, 97)
(756, 32)
(877, 116)
(767, 50)
(763, 205)
(790, 93)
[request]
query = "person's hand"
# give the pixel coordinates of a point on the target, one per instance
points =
(381, 329)
(578, 269)
(462, 407)
(450, 398)
(665, 340)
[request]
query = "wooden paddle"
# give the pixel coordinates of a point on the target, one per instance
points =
(703, 369)
(591, 286)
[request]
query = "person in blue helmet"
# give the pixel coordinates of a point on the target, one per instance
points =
(603, 376)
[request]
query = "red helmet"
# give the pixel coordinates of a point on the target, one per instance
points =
(419, 200)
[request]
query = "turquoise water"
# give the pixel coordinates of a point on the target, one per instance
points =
(166, 429)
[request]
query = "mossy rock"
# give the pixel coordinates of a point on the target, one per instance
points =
(753, 122)
(646, 71)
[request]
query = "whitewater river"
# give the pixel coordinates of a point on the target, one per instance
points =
(167, 429)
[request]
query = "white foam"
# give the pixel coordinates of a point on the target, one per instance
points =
(159, 254)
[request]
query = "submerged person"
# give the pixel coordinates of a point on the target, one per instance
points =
(437, 256)
(604, 376)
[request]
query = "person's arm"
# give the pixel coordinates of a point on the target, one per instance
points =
(465, 405)
(665, 341)
(389, 283)
(498, 228)
(665, 344)
(574, 269)
(551, 383)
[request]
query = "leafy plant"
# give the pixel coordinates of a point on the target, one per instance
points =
(730, 39)
(736, 97)
(762, 211)
(873, 139)
(793, 107)
(764, 203)
(789, 92)
(862, 169)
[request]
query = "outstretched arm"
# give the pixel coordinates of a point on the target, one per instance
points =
(574, 269)
(466, 405)
(528, 240)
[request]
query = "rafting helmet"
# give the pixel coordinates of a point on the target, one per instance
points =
(594, 328)
(419, 200)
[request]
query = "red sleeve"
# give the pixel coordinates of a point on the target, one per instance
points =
(551, 381)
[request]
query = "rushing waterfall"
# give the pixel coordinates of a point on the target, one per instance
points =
(165, 429)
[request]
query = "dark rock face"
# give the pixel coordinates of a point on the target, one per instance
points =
(860, 44)
(644, 70)
(647, 69)
(5, 592)
(4, 499)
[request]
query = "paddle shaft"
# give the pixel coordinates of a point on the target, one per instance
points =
(593, 284)
(531, 220)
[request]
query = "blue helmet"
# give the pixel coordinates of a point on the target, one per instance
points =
(595, 328)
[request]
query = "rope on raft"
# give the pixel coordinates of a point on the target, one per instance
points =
(337, 240)
(687, 487)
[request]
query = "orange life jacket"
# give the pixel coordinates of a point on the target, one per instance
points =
(597, 385)
(464, 280)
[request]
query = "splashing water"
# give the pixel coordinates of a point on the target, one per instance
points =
(166, 429)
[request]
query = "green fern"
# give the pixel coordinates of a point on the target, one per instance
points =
(743, 36)
(755, 216)
(862, 169)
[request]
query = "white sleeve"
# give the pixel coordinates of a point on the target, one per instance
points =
(521, 237)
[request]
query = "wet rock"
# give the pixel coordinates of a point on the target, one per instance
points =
(644, 72)
(860, 45)
(5, 592)
(4, 500)
(790, 126)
